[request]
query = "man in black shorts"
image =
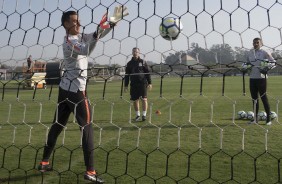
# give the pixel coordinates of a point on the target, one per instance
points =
(137, 71)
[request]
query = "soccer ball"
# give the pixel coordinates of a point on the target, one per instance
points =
(241, 114)
(170, 28)
(273, 115)
(262, 116)
(250, 115)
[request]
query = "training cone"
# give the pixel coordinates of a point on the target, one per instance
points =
(158, 112)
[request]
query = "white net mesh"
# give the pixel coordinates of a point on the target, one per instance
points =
(192, 133)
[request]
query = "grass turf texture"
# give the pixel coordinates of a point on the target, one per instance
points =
(202, 145)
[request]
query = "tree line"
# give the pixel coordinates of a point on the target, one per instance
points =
(217, 54)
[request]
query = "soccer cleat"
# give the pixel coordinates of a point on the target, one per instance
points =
(137, 118)
(143, 118)
(91, 176)
(268, 123)
(44, 167)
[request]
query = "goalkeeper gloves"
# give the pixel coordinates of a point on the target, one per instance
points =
(246, 66)
(266, 65)
(119, 13)
(105, 27)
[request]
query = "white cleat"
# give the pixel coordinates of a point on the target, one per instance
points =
(268, 123)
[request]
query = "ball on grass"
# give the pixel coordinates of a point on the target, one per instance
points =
(241, 114)
(273, 115)
(250, 115)
(262, 116)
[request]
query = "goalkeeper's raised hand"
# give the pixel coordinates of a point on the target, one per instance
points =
(119, 13)
(105, 26)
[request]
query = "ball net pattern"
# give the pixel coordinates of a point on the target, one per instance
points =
(192, 133)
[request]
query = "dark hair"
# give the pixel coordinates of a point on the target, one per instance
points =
(66, 16)
(136, 48)
(257, 39)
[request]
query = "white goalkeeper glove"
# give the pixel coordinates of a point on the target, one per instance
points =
(105, 26)
(266, 65)
(246, 66)
(119, 13)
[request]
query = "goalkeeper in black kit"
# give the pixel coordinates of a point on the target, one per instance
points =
(137, 72)
(72, 96)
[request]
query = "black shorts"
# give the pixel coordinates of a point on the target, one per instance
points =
(137, 91)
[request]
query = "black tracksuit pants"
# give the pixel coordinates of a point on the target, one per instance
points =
(258, 86)
(66, 105)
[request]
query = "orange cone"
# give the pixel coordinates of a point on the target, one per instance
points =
(158, 112)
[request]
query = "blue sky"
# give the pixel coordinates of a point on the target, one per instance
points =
(33, 27)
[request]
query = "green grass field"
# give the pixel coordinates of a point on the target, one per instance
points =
(194, 140)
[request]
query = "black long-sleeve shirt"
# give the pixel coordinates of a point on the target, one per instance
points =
(137, 71)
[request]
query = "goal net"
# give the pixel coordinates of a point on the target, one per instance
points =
(192, 132)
